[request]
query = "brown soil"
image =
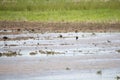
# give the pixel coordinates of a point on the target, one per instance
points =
(59, 26)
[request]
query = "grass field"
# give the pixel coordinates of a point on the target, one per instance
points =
(60, 10)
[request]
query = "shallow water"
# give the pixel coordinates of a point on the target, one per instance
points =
(99, 48)
(106, 74)
(87, 44)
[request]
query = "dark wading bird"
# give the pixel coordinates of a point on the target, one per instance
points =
(76, 37)
(60, 36)
(5, 38)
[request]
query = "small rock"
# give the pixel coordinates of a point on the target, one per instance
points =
(99, 72)
(118, 77)
(67, 68)
(33, 53)
(108, 41)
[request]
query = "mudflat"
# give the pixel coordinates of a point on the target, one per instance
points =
(51, 51)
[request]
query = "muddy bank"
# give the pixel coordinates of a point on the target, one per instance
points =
(59, 26)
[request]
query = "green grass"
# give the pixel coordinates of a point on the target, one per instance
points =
(100, 15)
(43, 5)
(60, 10)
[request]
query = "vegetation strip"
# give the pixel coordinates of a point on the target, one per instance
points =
(60, 10)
